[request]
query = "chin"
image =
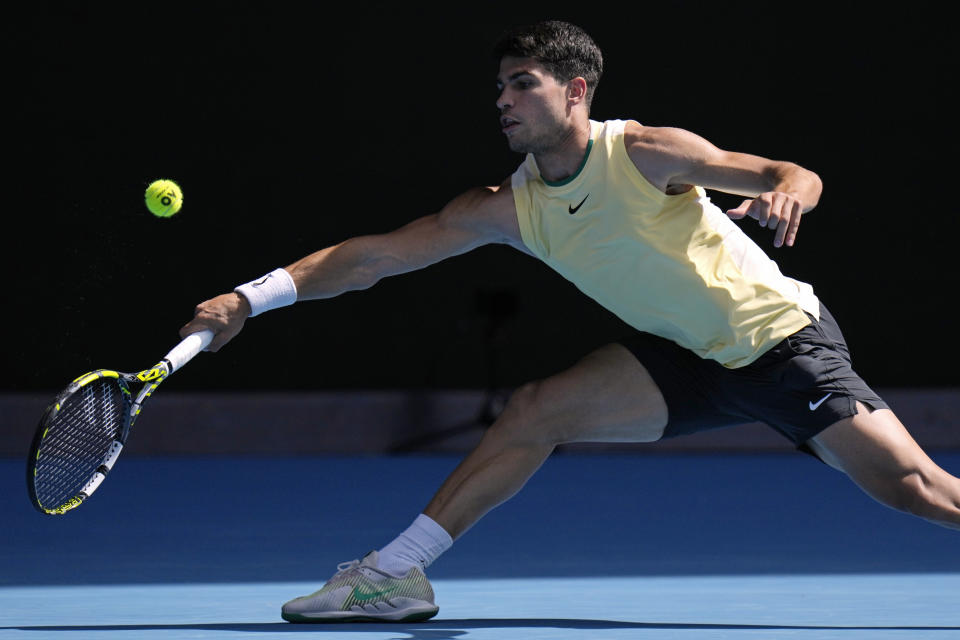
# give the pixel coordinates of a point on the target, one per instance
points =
(519, 145)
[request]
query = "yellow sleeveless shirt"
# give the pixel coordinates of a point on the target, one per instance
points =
(672, 265)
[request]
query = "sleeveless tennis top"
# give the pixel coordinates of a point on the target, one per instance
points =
(672, 265)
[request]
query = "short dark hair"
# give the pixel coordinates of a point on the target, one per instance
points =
(565, 50)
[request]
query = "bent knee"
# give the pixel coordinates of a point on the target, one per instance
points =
(606, 397)
(530, 415)
(525, 399)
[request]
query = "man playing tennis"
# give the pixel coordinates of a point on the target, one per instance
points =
(620, 210)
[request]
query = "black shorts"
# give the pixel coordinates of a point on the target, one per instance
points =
(799, 387)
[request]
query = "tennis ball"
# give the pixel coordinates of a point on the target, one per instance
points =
(164, 198)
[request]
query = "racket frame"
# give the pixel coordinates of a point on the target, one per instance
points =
(150, 378)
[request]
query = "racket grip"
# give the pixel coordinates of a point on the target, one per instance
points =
(188, 348)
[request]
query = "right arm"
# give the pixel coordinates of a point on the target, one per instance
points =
(469, 221)
(478, 217)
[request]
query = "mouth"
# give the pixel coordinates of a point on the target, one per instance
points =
(508, 124)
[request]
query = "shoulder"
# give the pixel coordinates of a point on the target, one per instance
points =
(482, 205)
(660, 153)
(489, 211)
(640, 139)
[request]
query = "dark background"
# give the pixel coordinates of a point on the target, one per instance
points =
(292, 126)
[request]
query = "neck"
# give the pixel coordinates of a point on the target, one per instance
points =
(563, 160)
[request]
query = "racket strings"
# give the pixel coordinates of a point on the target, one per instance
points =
(78, 439)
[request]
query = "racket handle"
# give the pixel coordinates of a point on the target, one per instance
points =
(188, 348)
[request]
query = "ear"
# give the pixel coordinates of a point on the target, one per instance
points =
(577, 89)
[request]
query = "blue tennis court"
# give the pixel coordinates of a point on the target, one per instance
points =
(602, 546)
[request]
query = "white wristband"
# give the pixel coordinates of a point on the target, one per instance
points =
(272, 291)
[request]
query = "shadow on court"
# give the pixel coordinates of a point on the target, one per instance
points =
(437, 629)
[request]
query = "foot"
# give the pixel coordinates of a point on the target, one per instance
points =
(360, 591)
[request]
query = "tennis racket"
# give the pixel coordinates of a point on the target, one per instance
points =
(82, 432)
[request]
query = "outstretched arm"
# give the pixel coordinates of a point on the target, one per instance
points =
(779, 192)
(477, 217)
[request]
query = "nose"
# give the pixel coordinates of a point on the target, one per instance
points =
(503, 100)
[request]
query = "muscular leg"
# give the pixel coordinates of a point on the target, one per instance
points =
(606, 397)
(878, 454)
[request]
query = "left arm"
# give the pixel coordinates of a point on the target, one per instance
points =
(779, 192)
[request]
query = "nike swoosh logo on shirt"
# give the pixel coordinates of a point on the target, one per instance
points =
(573, 209)
(814, 405)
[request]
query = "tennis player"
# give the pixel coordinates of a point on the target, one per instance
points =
(619, 209)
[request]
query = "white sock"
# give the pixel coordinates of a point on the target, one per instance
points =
(419, 546)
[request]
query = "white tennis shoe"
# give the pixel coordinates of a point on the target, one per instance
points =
(360, 591)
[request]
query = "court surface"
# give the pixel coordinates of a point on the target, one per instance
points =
(596, 546)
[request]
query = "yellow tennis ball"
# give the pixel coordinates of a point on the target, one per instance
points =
(164, 198)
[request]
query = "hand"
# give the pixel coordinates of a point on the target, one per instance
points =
(224, 315)
(774, 210)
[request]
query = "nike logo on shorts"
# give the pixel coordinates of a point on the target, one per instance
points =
(815, 405)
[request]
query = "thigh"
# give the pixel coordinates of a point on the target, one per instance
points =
(694, 388)
(608, 396)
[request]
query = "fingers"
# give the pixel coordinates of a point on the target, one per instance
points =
(741, 211)
(788, 226)
(198, 324)
(219, 340)
(784, 212)
(769, 207)
(224, 315)
(773, 210)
